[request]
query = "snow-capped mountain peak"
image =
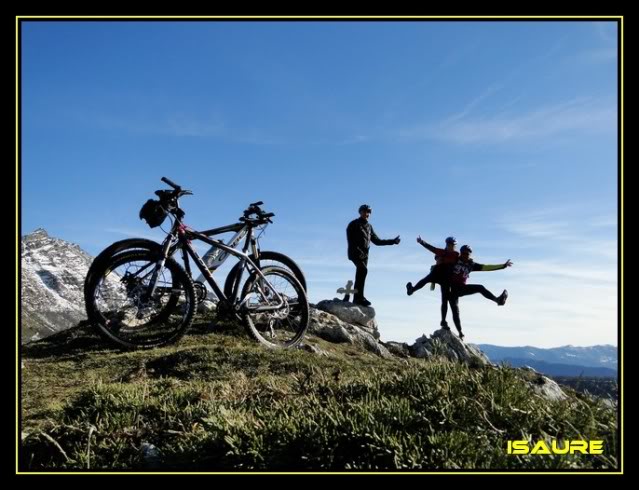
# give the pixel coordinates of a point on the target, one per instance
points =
(53, 272)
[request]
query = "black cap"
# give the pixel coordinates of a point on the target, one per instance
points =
(365, 207)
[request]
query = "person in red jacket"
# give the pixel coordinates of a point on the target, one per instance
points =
(445, 259)
(458, 287)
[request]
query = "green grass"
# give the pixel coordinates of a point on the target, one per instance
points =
(219, 401)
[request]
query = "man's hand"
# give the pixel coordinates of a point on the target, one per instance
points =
(508, 263)
(419, 239)
(397, 240)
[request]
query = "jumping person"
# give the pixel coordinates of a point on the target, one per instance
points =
(458, 287)
(445, 259)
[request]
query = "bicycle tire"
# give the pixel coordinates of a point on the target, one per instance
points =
(111, 327)
(291, 320)
(265, 255)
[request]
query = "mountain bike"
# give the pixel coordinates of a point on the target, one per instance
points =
(145, 298)
(254, 218)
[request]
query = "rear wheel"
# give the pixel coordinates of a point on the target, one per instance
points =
(106, 256)
(285, 324)
(124, 309)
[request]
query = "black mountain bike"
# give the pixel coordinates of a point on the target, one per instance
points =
(254, 218)
(144, 298)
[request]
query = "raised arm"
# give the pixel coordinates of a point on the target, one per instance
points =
(428, 246)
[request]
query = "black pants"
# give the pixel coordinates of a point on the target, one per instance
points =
(437, 275)
(360, 276)
(457, 291)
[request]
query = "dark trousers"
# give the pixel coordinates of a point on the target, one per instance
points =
(437, 275)
(457, 291)
(360, 276)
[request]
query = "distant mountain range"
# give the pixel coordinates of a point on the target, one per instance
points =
(568, 360)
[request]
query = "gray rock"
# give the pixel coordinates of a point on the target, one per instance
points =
(150, 455)
(547, 389)
(446, 344)
(351, 313)
(313, 349)
(421, 348)
(206, 307)
(400, 349)
(331, 328)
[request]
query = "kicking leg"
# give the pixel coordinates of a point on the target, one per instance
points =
(478, 288)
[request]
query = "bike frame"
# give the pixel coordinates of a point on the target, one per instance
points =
(212, 262)
(181, 237)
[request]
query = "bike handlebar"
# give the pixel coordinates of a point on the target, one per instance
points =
(171, 183)
(254, 207)
(261, 219)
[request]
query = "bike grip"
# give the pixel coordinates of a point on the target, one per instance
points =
(269, 215)
(172, 184)
(258, 203)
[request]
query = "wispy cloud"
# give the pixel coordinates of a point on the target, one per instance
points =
(492, 89)
(566, 223)
(595, 56)
(567, 230)
(582, 114)
(582, 274)
(356, 139)
(183, 125)
(169, 125)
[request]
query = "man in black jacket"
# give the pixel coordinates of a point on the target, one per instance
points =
(359, 234)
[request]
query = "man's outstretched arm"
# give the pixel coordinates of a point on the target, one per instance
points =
(496, 267)
(378, 241)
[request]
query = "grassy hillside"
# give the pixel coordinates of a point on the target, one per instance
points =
(218, 401)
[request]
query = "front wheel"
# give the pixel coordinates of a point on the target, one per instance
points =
(267, 259)
(137, 302)
(275, 308)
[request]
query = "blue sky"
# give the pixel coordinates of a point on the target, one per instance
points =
(502, 134)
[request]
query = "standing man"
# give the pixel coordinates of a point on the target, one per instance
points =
(360, 234)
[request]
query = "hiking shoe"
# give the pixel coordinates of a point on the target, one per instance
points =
(362, 302)
(409, 288)
(502, 298)
(444, 325)
(461, 335)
